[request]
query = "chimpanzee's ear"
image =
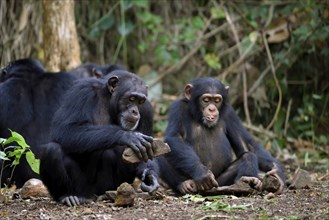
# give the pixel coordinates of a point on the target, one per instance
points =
(97, 73)
(226, 89)
(188, 88)
(112, 83)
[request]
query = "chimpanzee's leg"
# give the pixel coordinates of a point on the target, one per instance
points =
(63, 177)
(244, 168)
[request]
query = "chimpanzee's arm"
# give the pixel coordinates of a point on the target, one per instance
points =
(242, 141)
(182, 156)
(235, 132)
(148, 172)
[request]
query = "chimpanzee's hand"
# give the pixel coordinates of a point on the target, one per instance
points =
(73, 200)
(253, 182)
(150, 181)
(141, 144)
(187, 187)
(207, 182)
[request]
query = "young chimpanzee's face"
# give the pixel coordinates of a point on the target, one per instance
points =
(209, 105)
(206, 97)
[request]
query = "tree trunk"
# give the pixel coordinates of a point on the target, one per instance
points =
(61, 44)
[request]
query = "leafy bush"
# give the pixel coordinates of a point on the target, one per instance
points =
(13, 153)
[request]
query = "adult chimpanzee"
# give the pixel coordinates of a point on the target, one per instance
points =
(95, 70)
(98, 119)
(29, 97)
(203, 128)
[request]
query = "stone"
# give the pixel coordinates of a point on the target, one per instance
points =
(159, 147)
(33, 188)
(125, 195)
(301, 180)
(271, 183)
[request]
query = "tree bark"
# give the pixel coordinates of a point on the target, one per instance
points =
(61, 44)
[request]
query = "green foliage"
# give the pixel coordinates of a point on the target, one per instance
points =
(14, 153)
(213, 203)
(217, 13)
(160, 126)
(213, 61)
(103, 24)
(221, 206)
(163, 33)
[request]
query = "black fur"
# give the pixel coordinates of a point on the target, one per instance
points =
(29, 97)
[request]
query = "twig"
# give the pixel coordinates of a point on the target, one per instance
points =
(240, 60)
(260, 130)
(237, 40)
(270, 16)
(287, 118)
(178, 65)
(259, 80)
(323, 177)
(275, 80)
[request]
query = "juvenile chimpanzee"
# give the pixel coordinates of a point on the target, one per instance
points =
(29, 97)
(98, 119)
(203, 128)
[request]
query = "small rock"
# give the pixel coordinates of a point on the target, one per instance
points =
(33, 188)
(110, 195)
(301, 180)
(3, 198)
(271, 183)
(159, 148)
(125, 195)
(270, 196)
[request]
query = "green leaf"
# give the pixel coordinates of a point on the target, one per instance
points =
(217, 13)
(198, 23)
(125, 28)
(197, 198)
(316, 96)
(149, 18)
(103, 24)
(142, 47)
(220, 206)
(213, 61)
(127, 4)
(106, 22)
(246, 43)
(253, 36)
(2, 141)
(3, 156)
(33, 162)
(141, 3)
(19, 139)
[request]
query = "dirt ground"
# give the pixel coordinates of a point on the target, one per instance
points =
(309, 203)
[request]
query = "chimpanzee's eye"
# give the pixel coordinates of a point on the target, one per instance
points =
(206, 99)
(132, 98)
(218, 99)
(141, 101)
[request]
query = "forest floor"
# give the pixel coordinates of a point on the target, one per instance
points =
(311, 202)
